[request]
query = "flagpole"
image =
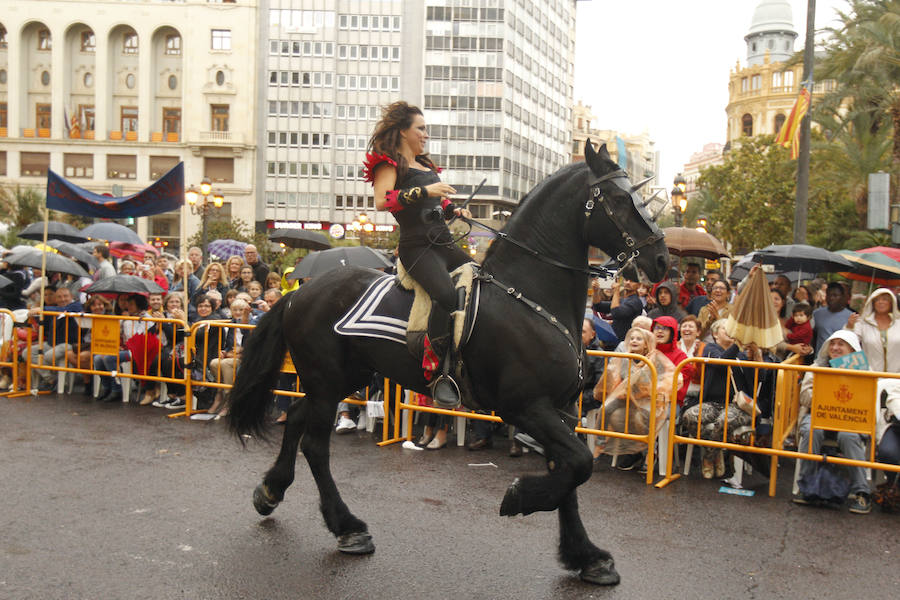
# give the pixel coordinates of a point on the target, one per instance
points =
(801, 206)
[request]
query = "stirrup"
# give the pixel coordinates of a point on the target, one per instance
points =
(445, 392)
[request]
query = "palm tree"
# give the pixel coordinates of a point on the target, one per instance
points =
(863, 57)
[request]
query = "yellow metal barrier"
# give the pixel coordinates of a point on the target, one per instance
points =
(648, 438)
(9, 355)
(105, 340)
(830, 384)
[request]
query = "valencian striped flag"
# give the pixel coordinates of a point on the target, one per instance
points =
(790, 129)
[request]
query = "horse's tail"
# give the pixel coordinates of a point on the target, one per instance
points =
(261, 362)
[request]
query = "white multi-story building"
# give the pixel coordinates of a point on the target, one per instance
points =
(326, 70)
(114, 93)
(498, 94)
(494, 79)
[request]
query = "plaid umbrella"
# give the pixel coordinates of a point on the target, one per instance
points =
(225, 249)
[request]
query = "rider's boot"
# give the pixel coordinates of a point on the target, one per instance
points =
(439, 354)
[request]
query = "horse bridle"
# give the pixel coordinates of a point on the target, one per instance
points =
(596, 197)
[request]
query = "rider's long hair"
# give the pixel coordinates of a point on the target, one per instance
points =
(386, 138)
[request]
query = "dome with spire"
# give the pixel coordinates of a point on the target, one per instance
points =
(771, 33)
(772, 15)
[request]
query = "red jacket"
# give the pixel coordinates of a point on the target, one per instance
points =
(686, 294)
(799, 334)
(674, 353)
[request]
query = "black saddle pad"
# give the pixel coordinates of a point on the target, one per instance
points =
(381, 312)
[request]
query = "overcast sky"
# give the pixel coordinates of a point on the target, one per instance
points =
(663, 65)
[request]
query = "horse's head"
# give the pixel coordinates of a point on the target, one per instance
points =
(616, 220)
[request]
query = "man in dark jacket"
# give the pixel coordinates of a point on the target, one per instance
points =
(260, 269)
(623, 307)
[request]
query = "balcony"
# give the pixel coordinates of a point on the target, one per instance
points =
(221, 137)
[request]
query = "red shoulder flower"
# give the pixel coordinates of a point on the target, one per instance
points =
(372, 161)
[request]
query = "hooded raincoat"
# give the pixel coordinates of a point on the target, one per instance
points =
(626, 394)
(670, 310)
(882, 347)
(676, 355)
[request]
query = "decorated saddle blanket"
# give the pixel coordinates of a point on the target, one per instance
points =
(390, 311)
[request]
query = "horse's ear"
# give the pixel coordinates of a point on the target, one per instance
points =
(595, 158)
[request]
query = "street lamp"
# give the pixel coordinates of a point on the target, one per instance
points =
(679, 199)
(702, 224)
(201, 204)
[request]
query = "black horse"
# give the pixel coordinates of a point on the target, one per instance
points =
(522, 365)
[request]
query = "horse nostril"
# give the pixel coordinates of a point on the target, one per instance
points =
(662, 263)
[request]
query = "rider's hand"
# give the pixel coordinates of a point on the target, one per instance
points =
(462, 212)
(439, 189)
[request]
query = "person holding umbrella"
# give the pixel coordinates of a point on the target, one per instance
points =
(407, 184)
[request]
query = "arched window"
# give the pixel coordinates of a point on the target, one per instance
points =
(779, 121)
(747, 125)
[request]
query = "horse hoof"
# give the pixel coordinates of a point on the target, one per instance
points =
(512, 501)
(359, 542)
(602, 572)
(262, 502)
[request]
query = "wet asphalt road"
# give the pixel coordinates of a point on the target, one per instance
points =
(108, 502)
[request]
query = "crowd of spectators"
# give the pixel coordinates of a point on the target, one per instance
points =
(816, 319)
(240, 291)
(681, 317)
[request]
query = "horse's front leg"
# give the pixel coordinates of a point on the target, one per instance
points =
(577, 552)
(569, 462)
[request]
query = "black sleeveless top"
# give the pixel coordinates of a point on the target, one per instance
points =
(425, 218)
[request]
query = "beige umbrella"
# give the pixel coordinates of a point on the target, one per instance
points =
(753, 318)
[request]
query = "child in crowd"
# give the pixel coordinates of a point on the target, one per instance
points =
(799, 329)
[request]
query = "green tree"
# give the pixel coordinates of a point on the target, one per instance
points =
(752, 194)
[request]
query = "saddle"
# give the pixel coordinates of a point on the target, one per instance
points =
(397, 308)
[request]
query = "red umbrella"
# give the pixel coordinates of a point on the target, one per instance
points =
(136, 251)
(893, 253)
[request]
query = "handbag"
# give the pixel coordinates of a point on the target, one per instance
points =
(741, 399)
(825, 482)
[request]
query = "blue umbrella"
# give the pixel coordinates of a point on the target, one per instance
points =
(225, 249)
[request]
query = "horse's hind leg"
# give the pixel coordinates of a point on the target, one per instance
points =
(577, 552)
(352, 533)
(270, 492)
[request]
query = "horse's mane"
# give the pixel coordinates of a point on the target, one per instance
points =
(537, 191)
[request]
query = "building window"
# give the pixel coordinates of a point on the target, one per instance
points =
(130, 81)
(34, 164)
(747, 126)
(160, 165)
(121, 166)
(88, 41)
(756, 82)
(3, 115)
(779, 121)
(3, 164)
(745, 84)
(129, 118)
(130, 43)
(173, 82)
(44, 41)
(88, 80)
(78, 165)
(221, 39)
(789, 80)
(86, 117)
(42, 116)
(219, 117)
(173, 44)
(3, 42)
(171, 120)
(219, 170)
(220, 78)
(45, 78)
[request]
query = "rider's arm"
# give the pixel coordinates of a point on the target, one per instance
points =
(385, 178)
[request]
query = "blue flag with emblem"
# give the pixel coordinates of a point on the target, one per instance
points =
(164, 195)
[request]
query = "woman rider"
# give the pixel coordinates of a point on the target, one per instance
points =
(406, 183)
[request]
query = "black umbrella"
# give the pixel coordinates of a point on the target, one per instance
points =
(800, 257)
(55, 231)
(741, 268)
(124, 284)
(112, 232)
(300, 238)
(326, 260)
(76, 252)
(32, 257)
